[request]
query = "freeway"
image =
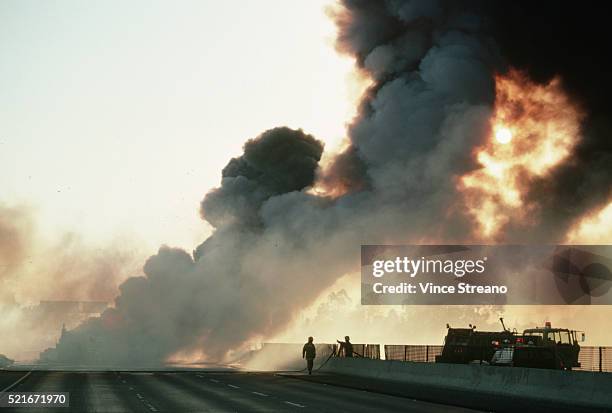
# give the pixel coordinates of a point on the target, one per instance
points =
(203, 391)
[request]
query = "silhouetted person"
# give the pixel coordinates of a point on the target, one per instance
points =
(346, 346)
(309, 352)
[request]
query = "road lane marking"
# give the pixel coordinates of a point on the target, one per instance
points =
(214, 381)
(145, 401)
(294, 404)
(259, 394)
(10, 386)
(233, 387)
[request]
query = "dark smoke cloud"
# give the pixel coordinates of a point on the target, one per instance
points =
(278, 161)
(346, 174)
(276, 245)
(228, 290)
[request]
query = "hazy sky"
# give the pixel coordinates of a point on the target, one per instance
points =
(117, 117)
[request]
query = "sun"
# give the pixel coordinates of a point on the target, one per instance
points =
(503, 135)
(534, 128)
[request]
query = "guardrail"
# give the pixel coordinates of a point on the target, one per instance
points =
(590, 358)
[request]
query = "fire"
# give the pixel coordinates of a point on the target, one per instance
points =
(534, 128)
(595, 227)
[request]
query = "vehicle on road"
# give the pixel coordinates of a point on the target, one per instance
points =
(548, 347)
(467, 345)
(541, 347)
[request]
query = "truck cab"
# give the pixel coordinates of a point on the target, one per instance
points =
(548, 347)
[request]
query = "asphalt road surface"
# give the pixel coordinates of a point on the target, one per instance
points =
(203, 391)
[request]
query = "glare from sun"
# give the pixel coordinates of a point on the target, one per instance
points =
(503, 135)
(535, 128)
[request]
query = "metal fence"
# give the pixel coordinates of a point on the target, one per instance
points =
(590, 358)
(418, 353)
(595, 359)
(370, 351)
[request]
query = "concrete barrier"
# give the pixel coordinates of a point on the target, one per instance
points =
(580, 388)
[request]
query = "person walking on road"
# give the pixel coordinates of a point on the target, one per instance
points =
(309, 352)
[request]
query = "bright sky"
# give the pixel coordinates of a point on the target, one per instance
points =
(117, 117)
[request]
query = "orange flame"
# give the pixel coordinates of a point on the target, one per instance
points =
(593, 227)
(533, 129)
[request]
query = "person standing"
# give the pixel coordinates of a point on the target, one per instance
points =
(309, 352)
(346, 346)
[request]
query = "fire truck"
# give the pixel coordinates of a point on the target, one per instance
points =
(541, 347)
(467, 345)
(547, 347)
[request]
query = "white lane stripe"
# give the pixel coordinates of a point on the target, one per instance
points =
(153, 409)
(233, 387)
(200, 376)
(138, 395)
(10, 386)
(214, 381)
(259, 394)
(295, 404)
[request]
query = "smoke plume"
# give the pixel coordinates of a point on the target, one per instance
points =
(278, 244)
(15, 225)
(42, 282)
